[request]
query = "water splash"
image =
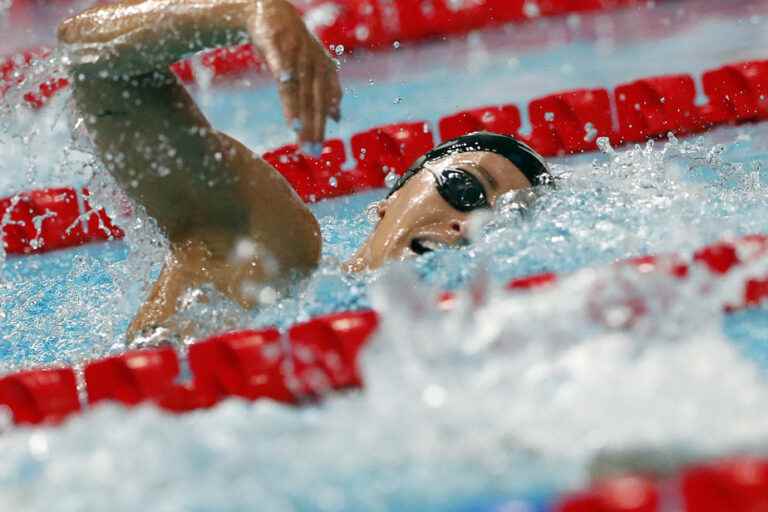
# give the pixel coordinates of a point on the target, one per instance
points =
(656, 198)
(452, 408)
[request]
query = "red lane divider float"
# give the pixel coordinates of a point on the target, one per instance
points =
(39, 396)
(348, 25)
(738, 92)
(302, 364)
(12, 68)
(625, 494)
(739, 485)
(13, 73)
(564, 123)
(732, 485)
(309, 360)
(54, 218)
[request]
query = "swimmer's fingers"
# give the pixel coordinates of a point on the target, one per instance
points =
(279, 34)
(319, 105)
(287, 78)
(282, 56)
(333, 105)
(326, 94)
(327, 97)
(304, 70)
(289, 97)
(306, 98)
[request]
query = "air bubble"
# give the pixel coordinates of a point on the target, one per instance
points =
(590, 132)
(604, 145)
(434, 396)
(362, 32)
(531, 9)
(372, 212)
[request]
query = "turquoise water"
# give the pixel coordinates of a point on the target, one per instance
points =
(511, 396)
(73, 305)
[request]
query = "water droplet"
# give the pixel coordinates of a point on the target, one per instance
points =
(362, 32)
(590, 132)
(267, 295)
(531, 9)
(372, 212)
(604, 145)
(434, 396)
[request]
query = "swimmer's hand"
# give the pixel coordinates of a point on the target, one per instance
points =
(203, 259)
(306, 74)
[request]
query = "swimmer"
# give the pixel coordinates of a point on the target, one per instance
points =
(230, 218)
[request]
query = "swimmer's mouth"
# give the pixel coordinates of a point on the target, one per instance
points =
(423, 246)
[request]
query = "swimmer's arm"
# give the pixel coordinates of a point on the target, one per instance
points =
(155, 141)
(205, 190)
(136, 37)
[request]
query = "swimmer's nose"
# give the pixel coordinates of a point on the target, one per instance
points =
(460, 229)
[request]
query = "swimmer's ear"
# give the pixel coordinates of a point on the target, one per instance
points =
(377, 210)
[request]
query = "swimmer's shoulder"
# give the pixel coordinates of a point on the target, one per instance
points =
(248, 161)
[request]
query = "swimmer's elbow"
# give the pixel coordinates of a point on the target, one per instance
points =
(307, 247)
(305, 255)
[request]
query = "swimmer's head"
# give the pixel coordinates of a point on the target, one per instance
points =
(431, 204)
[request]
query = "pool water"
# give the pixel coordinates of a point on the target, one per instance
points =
(512, 395)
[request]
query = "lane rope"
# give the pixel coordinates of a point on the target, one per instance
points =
(564, 123)
(345, 26)
(321, 356)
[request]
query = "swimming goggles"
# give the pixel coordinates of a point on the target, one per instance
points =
(461, 189)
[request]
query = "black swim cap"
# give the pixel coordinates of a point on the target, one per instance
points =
(530, 163)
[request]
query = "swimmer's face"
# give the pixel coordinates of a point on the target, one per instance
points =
(417, 219)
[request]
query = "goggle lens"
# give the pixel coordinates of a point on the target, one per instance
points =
(461, 189)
